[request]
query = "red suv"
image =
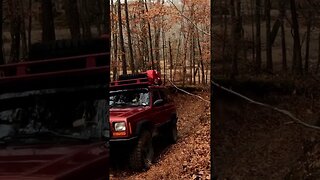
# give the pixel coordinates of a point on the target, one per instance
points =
(140, 109)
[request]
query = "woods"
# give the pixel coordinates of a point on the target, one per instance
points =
(164, 35)
(280, 34)
(27, 22)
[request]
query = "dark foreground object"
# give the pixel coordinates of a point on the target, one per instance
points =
(53, 114)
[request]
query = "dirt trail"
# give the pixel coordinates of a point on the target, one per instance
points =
(190, 157)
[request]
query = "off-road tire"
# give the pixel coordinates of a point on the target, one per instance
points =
(142, 154)
(172, 133)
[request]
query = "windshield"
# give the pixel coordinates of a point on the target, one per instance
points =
(64, 118)
(129, 98)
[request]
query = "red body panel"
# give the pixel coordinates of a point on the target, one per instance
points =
(157, 116)
(54, 162)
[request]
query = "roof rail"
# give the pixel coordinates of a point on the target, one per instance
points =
(148, 78)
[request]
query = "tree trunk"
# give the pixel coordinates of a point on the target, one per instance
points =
(297, 58)
(283, 37)
(1, 34)
(201, 60)
(258, 36)
(268, 40)
(85, 18)
(318, 64)
(72, 16)
(48, 30)
(115, 44)
(252, 30)
(170, 60)
(150, 38)
(235, 39)
(23, 31)
(15, 24)
(129, 38)
(29, 23)
(123, 51)
(309, 23)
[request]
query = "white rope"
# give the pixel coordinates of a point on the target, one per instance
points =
(285, 112)
(189, 93)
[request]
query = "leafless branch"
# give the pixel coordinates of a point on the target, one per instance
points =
(285, 112)
(188, 19)
(189, 92)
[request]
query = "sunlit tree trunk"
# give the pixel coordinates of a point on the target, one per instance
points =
(129, 38)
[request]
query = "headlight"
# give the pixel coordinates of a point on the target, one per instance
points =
(120, 126)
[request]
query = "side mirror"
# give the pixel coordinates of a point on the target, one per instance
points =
(158, 102)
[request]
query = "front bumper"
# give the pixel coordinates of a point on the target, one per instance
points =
(123, 141)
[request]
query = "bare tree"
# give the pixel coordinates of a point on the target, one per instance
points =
(123, 52)
(150, 37)
(129, 37)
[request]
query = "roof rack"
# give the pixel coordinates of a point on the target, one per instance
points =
(91, 69)
(145, 79)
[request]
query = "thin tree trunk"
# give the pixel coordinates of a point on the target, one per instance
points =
(129, 38)
(29, 23)
(48, 30)
(123, 52)
(15, 24)
(72, 16)
(201, 61)
(318, 64)
(252, 30)
(268, 40)
(297, 58)
(235, 22)
(150, 38)
(23, 30)
(1, 33)
(283, 38)
(170, 59)
(258, 36)
(114, 43)
(85, 18)
(309, 23)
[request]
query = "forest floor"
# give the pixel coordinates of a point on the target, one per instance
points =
(253, 142)
(189, 158)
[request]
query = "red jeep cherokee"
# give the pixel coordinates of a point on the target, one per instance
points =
(140, 109)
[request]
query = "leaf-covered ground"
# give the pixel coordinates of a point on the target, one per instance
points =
(190, 157)
(251, 142)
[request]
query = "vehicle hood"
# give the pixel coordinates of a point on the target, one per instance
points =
(125, 113)
(53, 162)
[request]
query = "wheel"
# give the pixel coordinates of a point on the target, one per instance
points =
(172, 133)
(142, 154)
